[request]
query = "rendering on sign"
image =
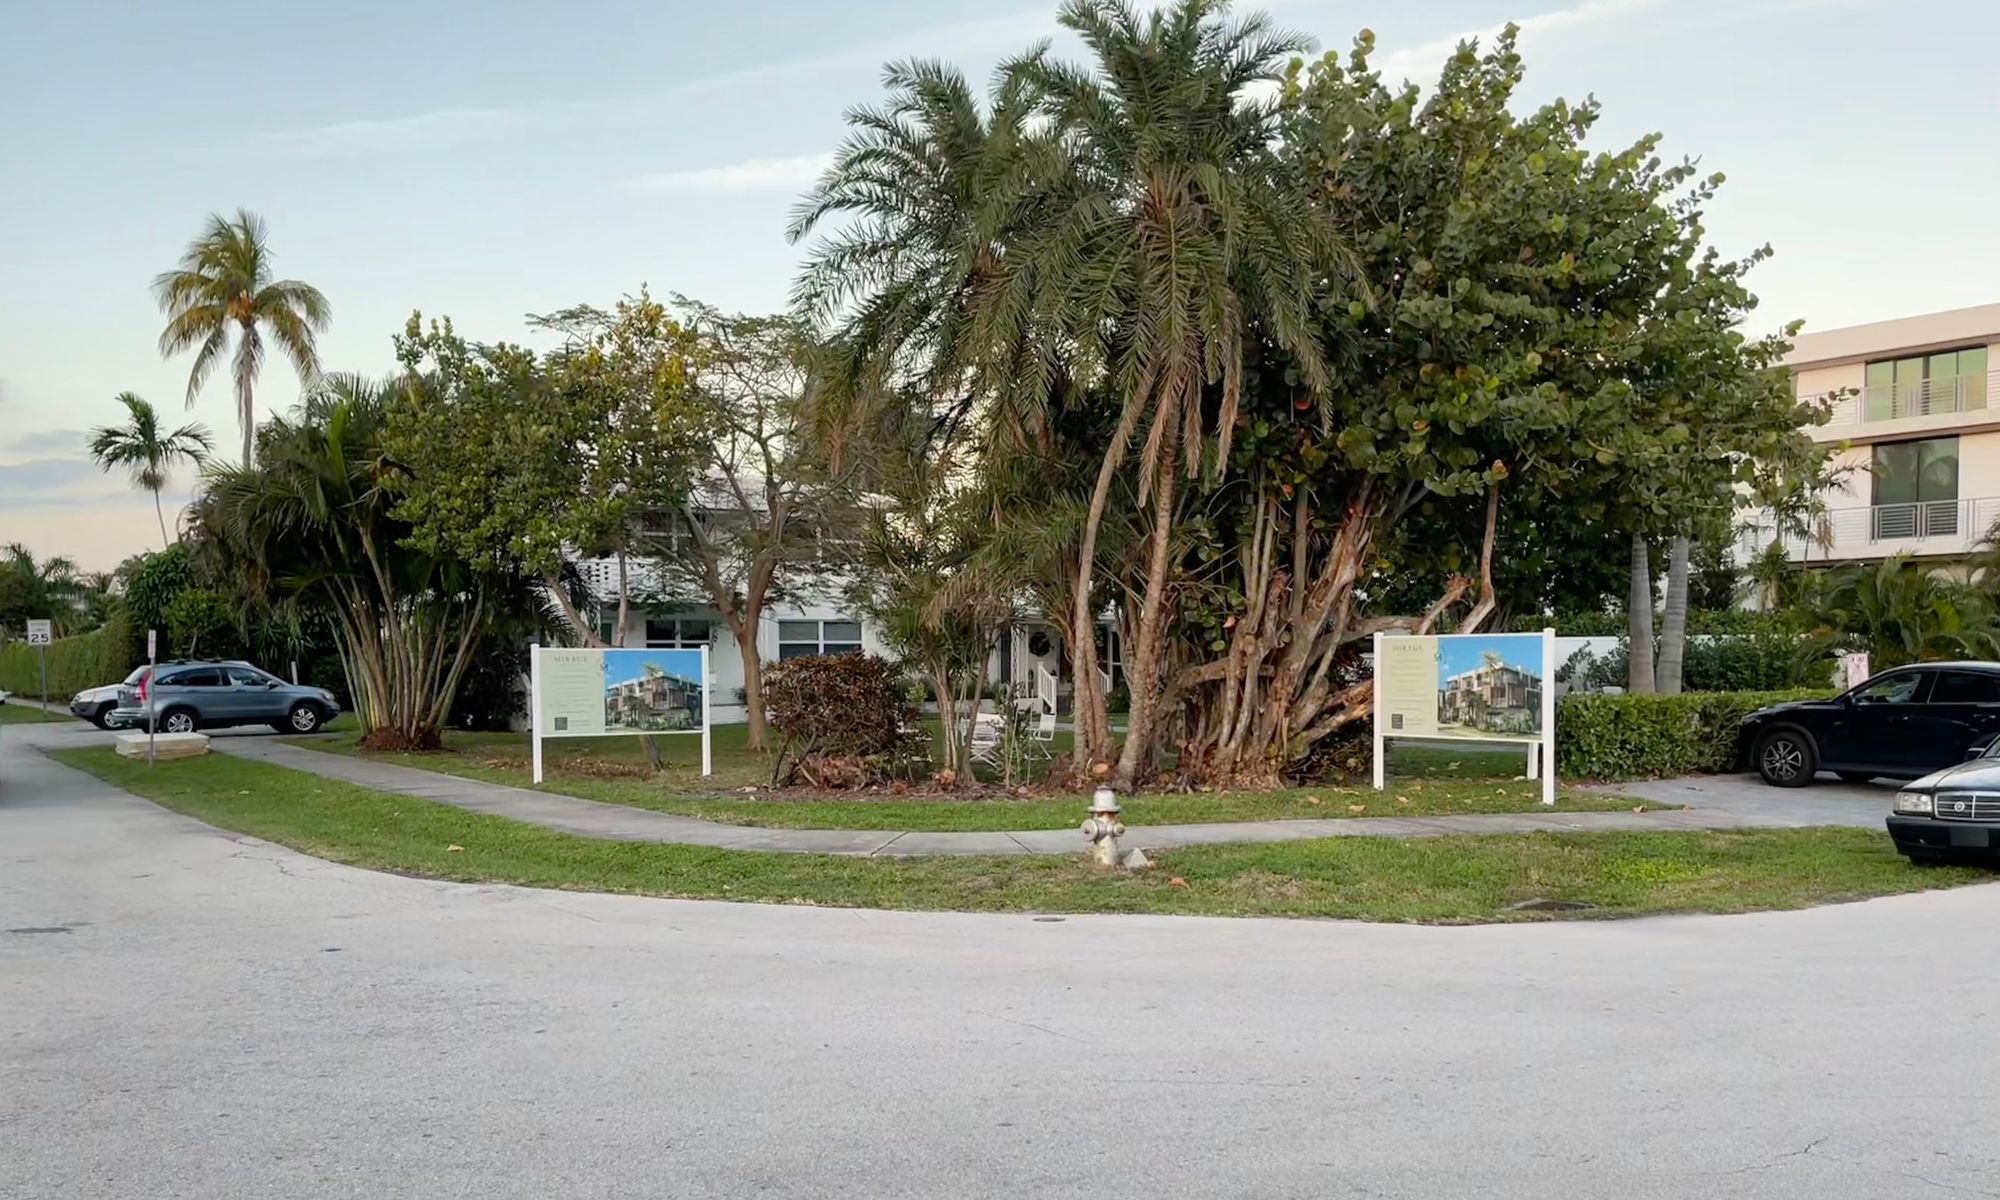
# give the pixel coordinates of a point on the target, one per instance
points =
(1477, 687)
(41, 633)
(608, 692)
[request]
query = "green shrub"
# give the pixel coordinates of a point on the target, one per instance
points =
(844, 719)
(1700, 621)
(104, 655)
(1746, 662)
(1648, 737)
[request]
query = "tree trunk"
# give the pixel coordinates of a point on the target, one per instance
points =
(1143, 677)
(1673, 624)
(1093, 734)
(161, 514)
(1639, 617)
(753, 684)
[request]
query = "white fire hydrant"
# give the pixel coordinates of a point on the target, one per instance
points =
(1103, 827)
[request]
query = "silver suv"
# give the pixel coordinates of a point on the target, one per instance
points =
(186, 696)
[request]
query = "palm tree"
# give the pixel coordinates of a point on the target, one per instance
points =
(1178, 231)
(47, 588)
(1901, 611)
(150, 456)
(223, 285)
(1124, 225)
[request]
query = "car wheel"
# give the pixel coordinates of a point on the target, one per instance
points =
(304, 718)
(177, 720)
(102, 717)
(1785, 758)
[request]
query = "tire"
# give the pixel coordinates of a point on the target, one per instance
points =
(304, 718)
(1856, 777)
(102, 717)
(1786, 758)
(179, 720)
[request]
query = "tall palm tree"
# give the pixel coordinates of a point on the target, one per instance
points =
(1179, 233)
(223, 285)
(149, 454)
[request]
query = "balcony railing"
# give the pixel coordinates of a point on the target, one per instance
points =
(1874, 531)
(1917, 398)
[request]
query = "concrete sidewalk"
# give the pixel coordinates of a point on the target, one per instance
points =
(617, 822)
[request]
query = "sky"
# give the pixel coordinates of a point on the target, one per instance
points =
(485, 159)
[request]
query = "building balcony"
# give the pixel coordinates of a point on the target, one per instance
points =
(1930, 529)
(1886, 402)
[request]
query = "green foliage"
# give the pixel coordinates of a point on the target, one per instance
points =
(104, 655)
(152, 587)
(511, 462)
(201, 623)
(1647, 737)
(844, 719)
(45, 589)
(1763, 661)
(1899, 611)
(1699, 621)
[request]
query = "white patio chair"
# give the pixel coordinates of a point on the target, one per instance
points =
(982, 740)
(1042, 739)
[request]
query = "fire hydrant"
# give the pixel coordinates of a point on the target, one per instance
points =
(1103, 827)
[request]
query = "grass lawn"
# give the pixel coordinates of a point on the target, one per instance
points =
(1464, 879)
(613, 770)
(23, 714)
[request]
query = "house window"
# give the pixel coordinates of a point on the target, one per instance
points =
(1916, 488)
(800, 639)
(1950, 381)
(678, 633)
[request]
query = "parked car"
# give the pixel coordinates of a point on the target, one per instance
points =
(1953, 813)
(188, 696)
(97, 705)
(1898, 725)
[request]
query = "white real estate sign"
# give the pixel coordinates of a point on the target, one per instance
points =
(1471, 687)
(609, 692)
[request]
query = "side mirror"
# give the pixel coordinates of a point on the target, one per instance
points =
(270, 685)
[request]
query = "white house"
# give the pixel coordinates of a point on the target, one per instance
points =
(1028, 656)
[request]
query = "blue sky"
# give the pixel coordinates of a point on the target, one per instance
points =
(1457, 655)
(487, 160)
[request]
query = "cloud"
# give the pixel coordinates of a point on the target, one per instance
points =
(750, 175)
(55, 482)
(45, 440)
(462, 124)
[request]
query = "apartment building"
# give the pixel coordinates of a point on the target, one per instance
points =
(1916, 404)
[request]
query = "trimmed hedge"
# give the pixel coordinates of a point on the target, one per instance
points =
(1651, 737)
(1700, 621)
(104, 655)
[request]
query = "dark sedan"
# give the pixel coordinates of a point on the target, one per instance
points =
(1953, 813)
(1899, 725)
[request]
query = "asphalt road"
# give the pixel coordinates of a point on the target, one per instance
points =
(185, 1013)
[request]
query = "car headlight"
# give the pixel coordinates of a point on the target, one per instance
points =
(1913, 802)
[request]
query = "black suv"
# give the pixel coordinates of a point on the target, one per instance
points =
(1900, 724)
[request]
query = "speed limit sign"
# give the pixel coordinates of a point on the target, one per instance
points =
(40, 633)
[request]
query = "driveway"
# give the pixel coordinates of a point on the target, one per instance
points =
(187, 1013)
(1827, 801)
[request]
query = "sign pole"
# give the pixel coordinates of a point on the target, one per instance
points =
(1548, 746)
(152, 669)
(1381, 767)
(535, 703)
(42, 657)
(707, 746)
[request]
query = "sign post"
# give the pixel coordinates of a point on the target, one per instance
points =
(40, 634)
(605, 691)
(1472, 688)
(152, 669)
